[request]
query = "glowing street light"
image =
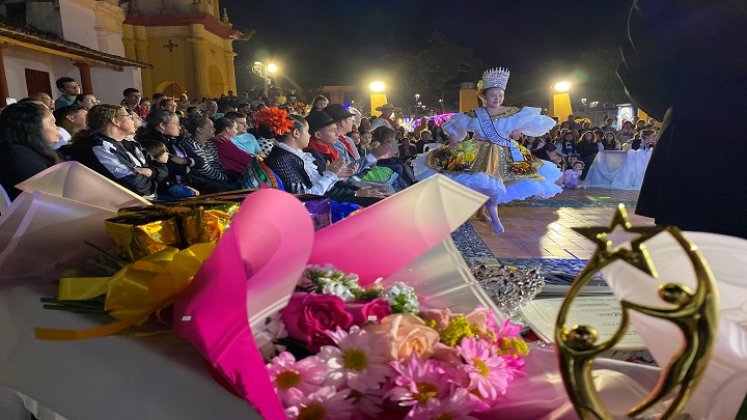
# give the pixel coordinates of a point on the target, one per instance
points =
(562, 86)
(560, 100)
(272, 68)
(377, 86)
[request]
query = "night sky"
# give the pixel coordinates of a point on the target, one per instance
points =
(320, 42)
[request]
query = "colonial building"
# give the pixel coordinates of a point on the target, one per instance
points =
(188, 43)
(41, 41)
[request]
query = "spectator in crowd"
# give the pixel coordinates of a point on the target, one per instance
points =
(163, 126)
(208, 174)
(425, 138)
(103, 151)
(42, 98)
(363, 147)
(640, 125)
(344, 121)
(438, 134)
(406, 148)
(567, 144)
(386, 119)
(647, 140)
(608, 128)
(86, 100)
(131, 102)
(157, 159)
(572, 124)
(296, 168)
(572, 175)
(233, 159)
(168, 104)
(587, 149)
(549, 153)
(243, 139)
(193, 111)
(319, 103)
(626, 133)
(157, 97)
(27, 133)
(610, 142)
(211, 110)
(183, 103)
(69, 90)
(70, 121)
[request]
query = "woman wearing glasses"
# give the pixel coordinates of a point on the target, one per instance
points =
(103, 151)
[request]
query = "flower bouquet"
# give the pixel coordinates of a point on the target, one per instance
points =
(349, 351)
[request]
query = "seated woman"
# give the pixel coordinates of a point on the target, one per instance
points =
(27, 131)
(233, 159)
(103, 151)
(207, 174)
(163, 126)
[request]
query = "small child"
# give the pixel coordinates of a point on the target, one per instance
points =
(571, 177)
(158, 155)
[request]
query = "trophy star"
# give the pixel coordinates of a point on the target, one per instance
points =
(637, 255)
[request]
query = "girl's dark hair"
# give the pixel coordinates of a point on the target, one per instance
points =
(21, 124)
(223, 123)
(159, 116)
(298, 124)
(193, 123)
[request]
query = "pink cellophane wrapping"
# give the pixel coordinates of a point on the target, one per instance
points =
(261, 256)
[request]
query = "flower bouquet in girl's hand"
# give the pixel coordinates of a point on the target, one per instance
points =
(355, 352)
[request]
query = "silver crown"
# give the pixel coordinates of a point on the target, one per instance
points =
(494, 78)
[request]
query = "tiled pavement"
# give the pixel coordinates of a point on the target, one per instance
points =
(545, 232)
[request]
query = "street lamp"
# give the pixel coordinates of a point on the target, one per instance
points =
(562, 86)
(560, 100)
(377, 86)
(378, 96)
(272, 68)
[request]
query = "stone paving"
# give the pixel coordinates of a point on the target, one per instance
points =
(543, 230)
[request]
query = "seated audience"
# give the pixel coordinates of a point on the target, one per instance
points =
(27, 133)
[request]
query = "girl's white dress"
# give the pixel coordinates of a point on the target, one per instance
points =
(501, 169)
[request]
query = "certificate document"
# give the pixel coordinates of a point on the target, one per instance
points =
(600, 312)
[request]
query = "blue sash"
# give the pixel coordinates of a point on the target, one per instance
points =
(488, 129)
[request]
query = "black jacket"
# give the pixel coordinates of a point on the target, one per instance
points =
(19, 163)
(109, 158)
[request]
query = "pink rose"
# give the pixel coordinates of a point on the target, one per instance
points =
(308, 316)
(378, 308)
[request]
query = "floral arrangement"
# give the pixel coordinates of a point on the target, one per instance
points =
(359, 352)
(525, 167)
(275, 119)
(459, 159)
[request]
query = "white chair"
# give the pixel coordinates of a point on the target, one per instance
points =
(4, 200)
(430, 146)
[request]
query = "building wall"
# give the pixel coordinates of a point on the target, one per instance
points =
(108, 84)
(18, 59)
(167, 7)
(79, 22)
(180, 63)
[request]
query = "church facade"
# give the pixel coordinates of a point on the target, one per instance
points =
(188, 42)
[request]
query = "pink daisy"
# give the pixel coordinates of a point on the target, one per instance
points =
(358, 362)
(305, 376)
(488, 372)
(324, 403)
(457, 406)
(417, 382)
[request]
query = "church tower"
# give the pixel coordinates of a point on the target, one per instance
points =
(188, 42)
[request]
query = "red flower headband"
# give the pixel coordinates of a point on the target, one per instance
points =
(275, 119)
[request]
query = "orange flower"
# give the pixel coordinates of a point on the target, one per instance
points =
(404, 335)
(275, 119)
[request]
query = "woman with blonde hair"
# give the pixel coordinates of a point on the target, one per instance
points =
(104, 152)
